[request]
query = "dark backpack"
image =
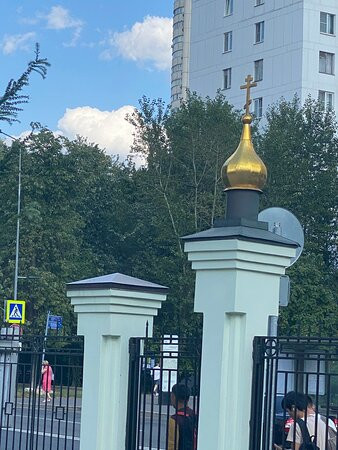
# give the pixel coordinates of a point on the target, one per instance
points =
(309, 443)
(187, 425)
(331, 435)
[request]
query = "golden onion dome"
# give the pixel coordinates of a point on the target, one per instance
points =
(244, 169)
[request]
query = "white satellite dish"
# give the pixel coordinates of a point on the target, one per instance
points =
(283, 222)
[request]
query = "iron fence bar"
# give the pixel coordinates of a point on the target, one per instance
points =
(151, 412)
(144, 401)
(168, 415)
(2, 397)
(22, 404)
(44, 416)
(67, 410)
(257, 394)
(133, 383)
(38, 408)
(35, 359)
(8, 400)
(139, 397)
(60, 404)
(74, 417)
(52, 415)
(160, 404)
(15, 405)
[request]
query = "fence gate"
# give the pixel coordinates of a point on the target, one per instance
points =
(155, 366)
(283, 364)
(37, 413)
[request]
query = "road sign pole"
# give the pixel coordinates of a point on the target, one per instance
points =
(45, 338)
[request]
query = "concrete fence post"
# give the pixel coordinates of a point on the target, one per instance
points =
(237, 289)
(110, 310)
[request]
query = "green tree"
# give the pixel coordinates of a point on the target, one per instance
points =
(300, 149)
(66, 185)
(181, 192)
(12, 98)
(85, 214)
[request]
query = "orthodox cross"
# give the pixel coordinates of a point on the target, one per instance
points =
(248, 86)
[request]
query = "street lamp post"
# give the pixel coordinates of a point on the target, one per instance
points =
(17, 230)
(16, 273)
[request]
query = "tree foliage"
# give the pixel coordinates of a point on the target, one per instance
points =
(85, 214)
(12, 98)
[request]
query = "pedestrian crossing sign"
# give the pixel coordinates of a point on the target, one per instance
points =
(15, 311)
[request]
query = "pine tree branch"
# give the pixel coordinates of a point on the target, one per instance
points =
(12, 97)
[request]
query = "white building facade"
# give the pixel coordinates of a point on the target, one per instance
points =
(289, 46)
(180, 51)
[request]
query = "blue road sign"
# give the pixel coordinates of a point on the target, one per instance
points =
(55, 322)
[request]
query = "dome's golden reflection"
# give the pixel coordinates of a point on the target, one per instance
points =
(244, 169)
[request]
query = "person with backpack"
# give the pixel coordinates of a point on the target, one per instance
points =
(310, 431)
(182, 433)
(311, 409)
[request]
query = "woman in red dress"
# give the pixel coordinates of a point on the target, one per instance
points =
(47, 378)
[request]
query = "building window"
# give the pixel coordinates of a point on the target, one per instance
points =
(176, 68)
(179, 10)
(176, 82)
(327, 23)
(258, 107)
(178, 39)
(228, 41)
(326, 99)
(259, 34)
(227, 78)
(326, 63)
(178, 26)
(259, 2)
(258, 70)
(229, 7)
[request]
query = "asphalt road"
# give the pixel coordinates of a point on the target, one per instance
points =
(57, 427)
(48, 428)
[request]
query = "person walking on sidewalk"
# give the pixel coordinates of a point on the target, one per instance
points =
(157, 378)
(47, 378)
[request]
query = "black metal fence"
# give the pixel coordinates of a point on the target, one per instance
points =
(40, 404)
(156, 364)
(305, 365)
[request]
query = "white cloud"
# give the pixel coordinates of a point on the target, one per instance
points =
(108, 129)
(11, 43)
(59, 18)
(147, 41)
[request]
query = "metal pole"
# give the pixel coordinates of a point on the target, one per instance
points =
(18, 218)
(18, 230)
(273, 365)
(45, 338)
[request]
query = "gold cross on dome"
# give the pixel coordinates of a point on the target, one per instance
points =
(248, 86)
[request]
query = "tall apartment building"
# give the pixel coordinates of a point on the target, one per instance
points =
(289, 46)
(180, 51)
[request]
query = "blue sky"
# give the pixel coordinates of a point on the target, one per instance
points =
(104, 54)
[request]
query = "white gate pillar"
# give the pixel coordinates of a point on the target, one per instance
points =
(238, 273)
(110, 309)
